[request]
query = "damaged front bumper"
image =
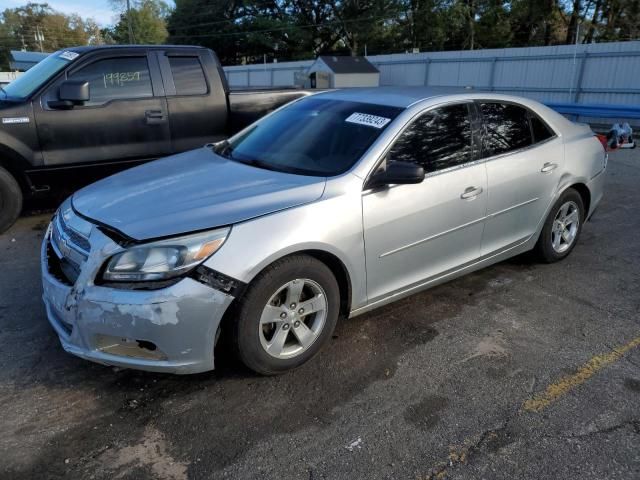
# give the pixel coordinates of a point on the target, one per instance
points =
(171, 329)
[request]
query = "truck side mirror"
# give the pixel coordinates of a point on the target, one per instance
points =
(71, 93)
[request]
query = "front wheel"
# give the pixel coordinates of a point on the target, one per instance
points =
(286, 315)
(10, 200)
(562, 227)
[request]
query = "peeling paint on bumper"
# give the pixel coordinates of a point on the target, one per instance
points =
(181, 320)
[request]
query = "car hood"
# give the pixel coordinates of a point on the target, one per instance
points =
(196, 190)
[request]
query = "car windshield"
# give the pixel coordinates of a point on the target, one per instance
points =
(313, 136)
(28, 82)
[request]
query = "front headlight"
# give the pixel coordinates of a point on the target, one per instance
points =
(163, 259)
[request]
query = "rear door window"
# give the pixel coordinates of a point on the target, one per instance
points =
(438, 139)
(188, 76)
(506, 128)
(116, 78)
(540, 130)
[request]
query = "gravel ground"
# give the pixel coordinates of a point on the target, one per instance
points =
(521, 370)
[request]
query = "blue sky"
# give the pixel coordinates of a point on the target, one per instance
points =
(100, 10)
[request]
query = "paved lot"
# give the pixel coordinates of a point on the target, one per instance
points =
(521, 370)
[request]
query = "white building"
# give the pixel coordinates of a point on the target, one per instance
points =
(340, 72)
(8, 77)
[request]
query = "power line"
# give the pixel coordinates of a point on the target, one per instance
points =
(280, 29)
(62, 36)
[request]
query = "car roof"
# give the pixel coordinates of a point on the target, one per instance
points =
(394, 96)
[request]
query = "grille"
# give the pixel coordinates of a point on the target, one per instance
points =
(68, 251)
(79, 240)
(60, 268)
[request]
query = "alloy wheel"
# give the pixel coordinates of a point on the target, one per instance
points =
(293, 318)
(565, 227)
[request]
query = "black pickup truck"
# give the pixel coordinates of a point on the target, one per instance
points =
(86, 112)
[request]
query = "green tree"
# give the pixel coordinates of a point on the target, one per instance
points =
(36, 26)
(214, 24)
(144, 23)
(363, 22)
(242, 31)
(493, 28)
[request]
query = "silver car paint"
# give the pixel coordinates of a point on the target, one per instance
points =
(181, 320)
(376, 236)
(195, 190)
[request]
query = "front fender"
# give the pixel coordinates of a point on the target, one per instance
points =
(332, 225)
(20, 140)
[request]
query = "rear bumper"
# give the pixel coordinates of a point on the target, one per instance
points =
(167, 330)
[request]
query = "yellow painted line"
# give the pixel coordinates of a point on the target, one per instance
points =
(584, 373)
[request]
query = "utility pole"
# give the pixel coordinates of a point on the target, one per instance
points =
(129, 27)
(39, 36)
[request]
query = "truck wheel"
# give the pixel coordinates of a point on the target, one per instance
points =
(10, 200)
(286, 315)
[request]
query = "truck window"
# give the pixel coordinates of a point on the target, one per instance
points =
(33, 78)
(188, 76)
(116, 78)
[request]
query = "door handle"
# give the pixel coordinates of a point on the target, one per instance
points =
(154, 117)
(470, 193)
(548, 167)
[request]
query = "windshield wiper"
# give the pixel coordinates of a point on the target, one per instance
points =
(224, 149)
(254, 162)
(6, 95)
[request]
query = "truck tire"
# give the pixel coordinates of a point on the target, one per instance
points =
(10, 200)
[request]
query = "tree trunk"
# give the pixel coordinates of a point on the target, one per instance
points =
(548, 21)
(588, 38)
(472, 24)
(573, 22)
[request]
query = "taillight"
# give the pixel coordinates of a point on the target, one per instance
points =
(603, 141)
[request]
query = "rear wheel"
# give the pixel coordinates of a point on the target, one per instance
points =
(10, 200)
(286, 315)
(562, 227)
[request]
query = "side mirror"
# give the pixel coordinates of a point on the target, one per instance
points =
(397, 173)
(71, 93)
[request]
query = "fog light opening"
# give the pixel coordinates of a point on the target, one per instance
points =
(147, 345)
(128, 347)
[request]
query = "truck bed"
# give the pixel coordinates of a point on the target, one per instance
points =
(247, 106)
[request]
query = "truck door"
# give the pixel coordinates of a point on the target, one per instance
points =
(124, 119)
(196, 100)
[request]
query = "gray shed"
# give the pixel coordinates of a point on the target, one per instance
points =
(340, 72)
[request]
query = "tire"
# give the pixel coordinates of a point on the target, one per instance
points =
(295, 335)
(553, 245)
(10, 200)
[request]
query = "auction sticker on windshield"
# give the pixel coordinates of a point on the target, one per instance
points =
(367, 119)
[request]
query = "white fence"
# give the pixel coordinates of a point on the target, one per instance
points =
(604, 73)
(265, 75)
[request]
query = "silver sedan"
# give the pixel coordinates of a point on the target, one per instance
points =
(329, 207)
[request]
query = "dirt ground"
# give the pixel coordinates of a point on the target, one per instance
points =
(521, 370)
